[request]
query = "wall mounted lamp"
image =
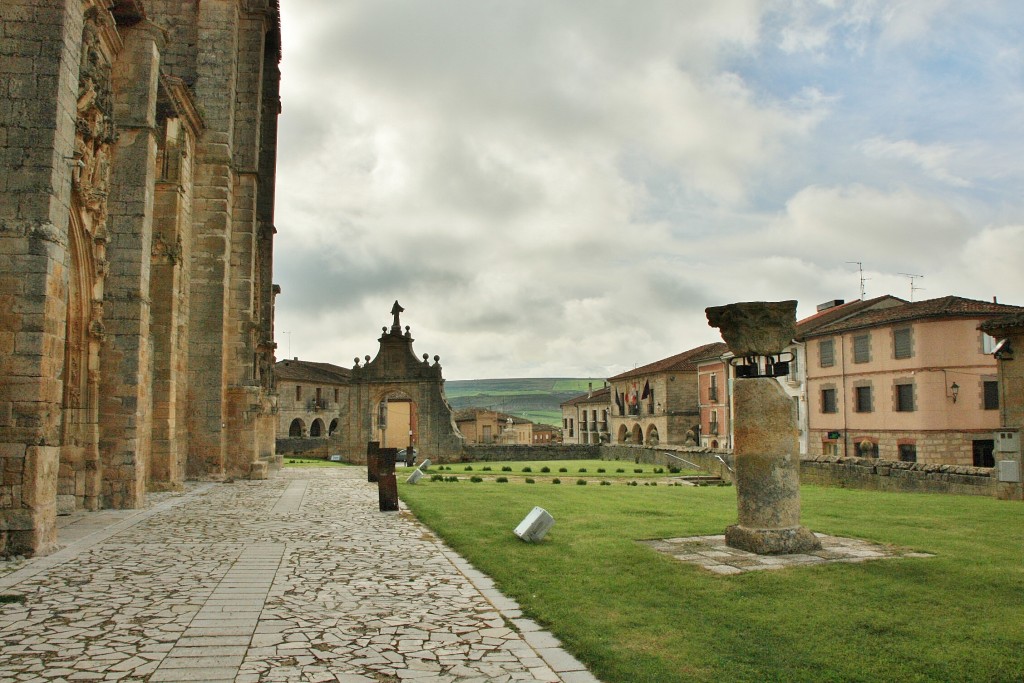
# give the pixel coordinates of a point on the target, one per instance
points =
(954, 389)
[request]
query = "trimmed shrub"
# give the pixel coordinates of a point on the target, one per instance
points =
(469, 468)
(583, 469)
(486, 468)
(563, 469)
(475, 479)
(620, 471)
(506, 468)
(638, 471)
(556, 480)
(606, 483)
(674, 470)
(530, 469)
(600, 470)
(501, 480)
(436, 477)
(530, 481)
(544, 469)
(581, 482)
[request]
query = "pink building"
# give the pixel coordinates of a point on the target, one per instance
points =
(713, 390)
(914, 382)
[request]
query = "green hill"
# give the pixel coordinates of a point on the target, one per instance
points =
(537, 399)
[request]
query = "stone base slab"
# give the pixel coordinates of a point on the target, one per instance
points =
(258, 470)
(798, 539)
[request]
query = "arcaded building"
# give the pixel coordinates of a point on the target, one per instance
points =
(137, 156)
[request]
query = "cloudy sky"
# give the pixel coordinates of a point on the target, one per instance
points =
(560, 188)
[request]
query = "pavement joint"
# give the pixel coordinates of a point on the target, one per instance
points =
(294, 578)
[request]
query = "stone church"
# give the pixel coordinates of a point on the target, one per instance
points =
(137, 160)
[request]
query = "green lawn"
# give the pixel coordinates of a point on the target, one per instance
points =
(572, 470)
(290, 461)
(634, 615)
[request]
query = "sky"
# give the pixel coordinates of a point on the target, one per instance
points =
(559, 189)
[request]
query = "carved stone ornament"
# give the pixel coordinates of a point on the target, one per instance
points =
(760, 328)
(94, 128)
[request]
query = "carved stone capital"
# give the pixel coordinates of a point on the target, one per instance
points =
(760, 328)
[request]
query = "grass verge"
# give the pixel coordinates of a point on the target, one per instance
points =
(634, 615)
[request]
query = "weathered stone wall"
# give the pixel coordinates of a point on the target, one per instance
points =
(307, 448)
(887, 475)
(135, 251)
(661, 456)
(495, 452)
(933, 447)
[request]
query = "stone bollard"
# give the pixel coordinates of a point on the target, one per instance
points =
(372, 452)
(387, 485)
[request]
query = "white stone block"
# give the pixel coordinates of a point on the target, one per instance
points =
(535, 525)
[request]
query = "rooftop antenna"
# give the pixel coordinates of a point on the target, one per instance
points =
(913, 288)
(860, 269)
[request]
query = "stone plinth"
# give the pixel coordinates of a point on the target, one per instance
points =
(767, 472)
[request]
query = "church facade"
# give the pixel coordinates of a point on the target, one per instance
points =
(137, 157)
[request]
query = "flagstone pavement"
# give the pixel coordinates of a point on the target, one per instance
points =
(296, 578)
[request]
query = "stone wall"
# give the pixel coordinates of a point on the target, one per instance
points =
(706, 458)
(136, 343)
(307, 448)
(518, 453)
(887, 475)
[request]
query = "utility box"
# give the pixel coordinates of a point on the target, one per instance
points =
(1007, 441)
(535, 525)
(1008, 471)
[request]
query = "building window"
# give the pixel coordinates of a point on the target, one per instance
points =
(713, 389)
(298, 392)
(862, 399)
(571, 433)
(988, 343)
(904, 398)
(862, 348)
(902, 343)
(984, 453)
(826, 353)
(713, 424)
(335, 394)
(991, 394)
(794, 369)
(908, 452)
(828, 400)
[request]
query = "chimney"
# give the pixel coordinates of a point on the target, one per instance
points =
(590, 389)
(296, 358)
(830, 304)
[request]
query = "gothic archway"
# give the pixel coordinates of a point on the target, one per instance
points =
(79, 471)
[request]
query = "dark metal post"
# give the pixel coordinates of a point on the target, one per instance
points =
(372, 462)
(387, 485)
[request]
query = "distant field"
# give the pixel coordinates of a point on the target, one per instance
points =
(537, 399)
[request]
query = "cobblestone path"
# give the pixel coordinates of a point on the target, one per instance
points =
(297, 578)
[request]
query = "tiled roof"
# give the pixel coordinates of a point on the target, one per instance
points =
(308, 371)
(681, 362)
(830, 315)
(602, 395)
(1002, 325)
(944, 307)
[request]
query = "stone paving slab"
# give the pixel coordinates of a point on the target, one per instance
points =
(294, 578)
(711, 553)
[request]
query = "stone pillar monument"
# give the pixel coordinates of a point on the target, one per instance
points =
(766, 448)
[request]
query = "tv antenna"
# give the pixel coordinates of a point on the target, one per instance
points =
(860, 269)
(913, 288)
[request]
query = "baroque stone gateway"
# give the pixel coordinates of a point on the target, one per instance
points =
(137, 157)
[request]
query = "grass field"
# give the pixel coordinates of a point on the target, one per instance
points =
(311, 462)
(634, 615)
(611, 470)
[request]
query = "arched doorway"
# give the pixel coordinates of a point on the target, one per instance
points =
(317, 428)
(638, 434)
(623, 434)
(396, 423)
(652, 435)
(79, 472)
(333, 428)
(296, 428)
